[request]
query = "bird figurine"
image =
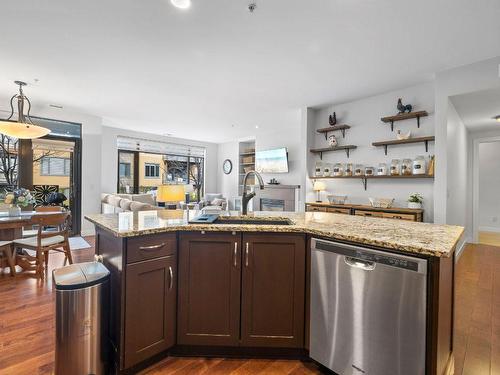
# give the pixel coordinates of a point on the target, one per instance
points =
(332, 119)
(402, 108)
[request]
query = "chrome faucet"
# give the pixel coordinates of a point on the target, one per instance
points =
(247, 197)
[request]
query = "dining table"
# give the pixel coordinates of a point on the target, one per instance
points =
(11, 228)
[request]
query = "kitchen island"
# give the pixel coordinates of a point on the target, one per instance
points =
(243, 288)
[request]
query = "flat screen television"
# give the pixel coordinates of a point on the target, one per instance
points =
(272, 161)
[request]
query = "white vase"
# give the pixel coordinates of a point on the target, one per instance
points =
(414, 205)
(14, 210)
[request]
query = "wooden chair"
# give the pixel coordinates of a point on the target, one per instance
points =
(45, 241)
(7, 249)
(33, 232)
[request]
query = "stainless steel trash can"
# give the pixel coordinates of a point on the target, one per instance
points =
(82, 292)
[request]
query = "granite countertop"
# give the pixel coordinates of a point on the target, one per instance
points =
(412, 237)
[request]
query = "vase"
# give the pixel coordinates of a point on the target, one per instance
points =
(414, 205)
(14, 210)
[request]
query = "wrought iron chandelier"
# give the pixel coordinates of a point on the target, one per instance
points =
(23, 128)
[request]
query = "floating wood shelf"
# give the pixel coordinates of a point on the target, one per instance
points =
(424, 140)
(404, 116)
(364, 179)
(247, 153)
(245, 164)
(334, 128)
(320, 151)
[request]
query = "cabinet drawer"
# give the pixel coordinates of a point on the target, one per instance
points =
(151, 246)
(316, 209)
(368, 213)
(393, 215)
(346, 211)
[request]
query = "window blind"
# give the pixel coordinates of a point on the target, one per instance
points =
(144, 145)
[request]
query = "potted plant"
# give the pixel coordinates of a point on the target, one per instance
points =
(19, 197)
(415, 200)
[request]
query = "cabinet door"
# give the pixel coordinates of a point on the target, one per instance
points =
(273, 290)
(209, 289)
(150, 308)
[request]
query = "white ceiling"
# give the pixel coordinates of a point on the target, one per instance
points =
(216, 71)
(476, 109)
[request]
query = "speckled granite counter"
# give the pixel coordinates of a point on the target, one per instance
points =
(421, 238)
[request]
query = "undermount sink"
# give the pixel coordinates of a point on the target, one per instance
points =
(253, 220)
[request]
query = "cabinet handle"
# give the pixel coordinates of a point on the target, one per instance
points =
(171, 277)
(246, 254)
(235, 254)
(152, 247)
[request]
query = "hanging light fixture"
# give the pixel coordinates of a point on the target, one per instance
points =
(24, 128)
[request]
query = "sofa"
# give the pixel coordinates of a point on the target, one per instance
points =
(114, 203)
(210, 202)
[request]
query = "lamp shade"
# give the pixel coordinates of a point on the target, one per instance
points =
(319, 186)
(22, 130)
(170, 193)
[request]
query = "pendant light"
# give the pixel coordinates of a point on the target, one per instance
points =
(24, 128)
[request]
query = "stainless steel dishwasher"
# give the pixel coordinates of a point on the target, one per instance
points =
(368, 310)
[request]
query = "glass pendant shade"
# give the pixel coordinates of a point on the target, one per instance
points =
(23, 128)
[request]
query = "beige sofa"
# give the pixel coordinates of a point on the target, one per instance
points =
(114, 203)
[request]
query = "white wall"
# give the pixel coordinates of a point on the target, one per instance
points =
(109, 152)
(489, 186)
(364, 118)
(458, 198)
(292, 139)
(227, 184)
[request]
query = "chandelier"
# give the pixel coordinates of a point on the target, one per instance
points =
(23, 128)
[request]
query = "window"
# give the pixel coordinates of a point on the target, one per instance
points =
(51, 166)
(124, 169)
(152, 170)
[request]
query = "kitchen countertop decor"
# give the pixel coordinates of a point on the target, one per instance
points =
(411, 237)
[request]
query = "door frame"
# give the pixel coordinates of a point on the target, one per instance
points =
(475, 183)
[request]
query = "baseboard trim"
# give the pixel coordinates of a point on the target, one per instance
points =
(489, 229)
(461, 247)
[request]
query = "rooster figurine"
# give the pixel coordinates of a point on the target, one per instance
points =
(332, 119)
(403, 108)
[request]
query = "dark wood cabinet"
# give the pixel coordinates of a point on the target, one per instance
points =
(273, 288)
(209, 289)
(150, 308)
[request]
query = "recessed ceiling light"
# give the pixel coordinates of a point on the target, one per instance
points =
(256, 126)
(496, 118)
(182, 4)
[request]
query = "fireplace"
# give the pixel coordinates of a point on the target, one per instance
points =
(267, 204)
(277, 198)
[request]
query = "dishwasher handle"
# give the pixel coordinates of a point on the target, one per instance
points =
(358, 263)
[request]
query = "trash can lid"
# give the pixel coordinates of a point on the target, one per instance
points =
(80, 275)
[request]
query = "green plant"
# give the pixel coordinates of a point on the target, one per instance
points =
(416, 198)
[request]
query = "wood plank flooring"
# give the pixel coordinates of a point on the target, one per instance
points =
(27, 325)
(489, 238)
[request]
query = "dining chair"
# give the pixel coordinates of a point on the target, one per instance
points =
(33, 232)
(46, 241)
(7, 249)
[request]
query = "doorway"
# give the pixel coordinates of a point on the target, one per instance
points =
(486, 191)
(55, 169)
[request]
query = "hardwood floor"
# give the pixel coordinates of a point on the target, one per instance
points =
(27, 325)
(489, 238)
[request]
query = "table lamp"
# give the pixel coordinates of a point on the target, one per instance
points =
(170, 195)
(319, 186)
